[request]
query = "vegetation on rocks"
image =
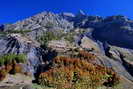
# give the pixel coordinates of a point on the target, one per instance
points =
(19, 31)
(3, 74)
(9, 58)
(10, 64)
(56, 35)
(69, 37)
(76, 70)
(71, 73)
(86, 56)
(15, 31)
(48, 36)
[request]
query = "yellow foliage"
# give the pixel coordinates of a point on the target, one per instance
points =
(72, 73)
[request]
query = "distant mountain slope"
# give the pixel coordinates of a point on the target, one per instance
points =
(110, 39)
(105, 29)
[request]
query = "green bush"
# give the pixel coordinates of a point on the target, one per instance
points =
(9, 63)
(19, 31)
(48, 36)
(14, 31)
(9, 58)
(16, 68)
(69, 37)
(20, 58)
(56, 35)
(2, 33)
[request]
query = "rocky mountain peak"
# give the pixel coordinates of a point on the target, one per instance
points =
(118, 18)
(67, 14)
(81, 13)
(108, 39)
(42, 21)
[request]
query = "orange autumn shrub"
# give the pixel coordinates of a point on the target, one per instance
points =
(8, 68)
(72, 73)
(86, 55)
(16, 68)
(57, 78)
(3, 74)
(66, 61)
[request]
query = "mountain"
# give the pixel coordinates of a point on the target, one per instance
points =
(47, 35)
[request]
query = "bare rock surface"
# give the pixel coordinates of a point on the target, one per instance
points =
(15, 81)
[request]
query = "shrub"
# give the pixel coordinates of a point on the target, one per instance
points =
(9, 58)
(1, 61)
(8, 68)
(20, 58)
(3, 74)
(16, 69)
(83, 55)
(14, 31)
(48, 36)
(70, 73)
(86, 55)
(69, 37)
(19, 31)
(55, 78)
(9, 64)
(55, 35)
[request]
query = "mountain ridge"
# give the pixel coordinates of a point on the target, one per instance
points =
(46, 35)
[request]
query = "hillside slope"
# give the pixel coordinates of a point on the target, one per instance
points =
(47, 35)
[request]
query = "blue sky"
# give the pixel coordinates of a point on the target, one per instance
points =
(14, 10)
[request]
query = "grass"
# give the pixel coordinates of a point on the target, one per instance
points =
(48, 36)
(15, 31)
(58, 35)
(19, 31)
(36, 86)
(9, 58)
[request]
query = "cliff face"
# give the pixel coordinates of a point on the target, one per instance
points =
(109, 38)
(117, 30)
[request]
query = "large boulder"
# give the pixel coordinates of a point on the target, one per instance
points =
(89, 44)
(60, 45)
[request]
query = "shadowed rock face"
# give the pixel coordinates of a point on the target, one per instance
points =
(116, 31)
